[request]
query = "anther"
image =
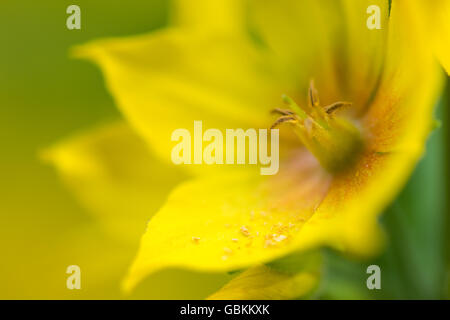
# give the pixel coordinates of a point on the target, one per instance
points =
(281, 111)
(283, 119)
(335, 106)
(313, 95)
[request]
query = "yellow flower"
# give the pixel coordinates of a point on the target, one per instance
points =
(349, 162)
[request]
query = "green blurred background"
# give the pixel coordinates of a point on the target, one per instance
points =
(46, 96)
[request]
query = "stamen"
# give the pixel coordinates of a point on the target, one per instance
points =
(334, 141)
(313, 95)
(282, 111)
(335, 106)
(282, 120)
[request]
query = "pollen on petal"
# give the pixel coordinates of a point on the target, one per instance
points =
(227, 250)
(279, 238)
(244, 231)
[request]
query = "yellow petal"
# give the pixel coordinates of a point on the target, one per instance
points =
(435, 18)
(442, 36)
(211, 15)
(401, 115)
(277, 281)
(328, 41)
(396, 127)
(177, 284)
(231, 221)
(265, 283)
(165, 81)
(113, 174)
(48, 247)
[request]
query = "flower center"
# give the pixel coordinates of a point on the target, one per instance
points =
(335, 141)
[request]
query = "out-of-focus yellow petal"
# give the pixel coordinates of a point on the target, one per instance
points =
(328, 41)
(165, 81)
(48, 250)
(364, 49)
(442, 33)
(176, 284)
(401, 116)
(265, 283)
(209, 15)
(113, 174)
(434, 15)
(293, 277)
